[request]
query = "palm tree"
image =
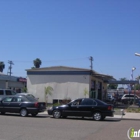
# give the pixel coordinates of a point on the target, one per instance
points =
(85, 92)
(37, 62)
(48, 91)
(2, 66)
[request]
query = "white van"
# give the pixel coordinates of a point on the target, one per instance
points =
(6, 92)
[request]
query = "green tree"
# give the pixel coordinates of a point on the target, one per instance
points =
(137, 86)
(24, 89)
(37, 62)
(112, 86)
(2, 66)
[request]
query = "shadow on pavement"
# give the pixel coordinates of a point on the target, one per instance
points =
(90, 119)
(126, 119)
(29, 116)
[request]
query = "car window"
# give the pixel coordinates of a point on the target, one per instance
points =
(17, 99)
(77, 102)
(129, 96)
(30, 95)
(88, 102)
(8, 99)
(99, 102)
(13, 93)
(8, 92)
(30, 98)
(1, 92)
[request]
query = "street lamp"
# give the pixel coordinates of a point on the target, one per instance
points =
(137, 54)
(132, 85)
(132, 72)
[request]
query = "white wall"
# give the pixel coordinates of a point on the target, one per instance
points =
(65, 86)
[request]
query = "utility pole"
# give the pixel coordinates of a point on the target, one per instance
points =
(10, 67)
(91, 60)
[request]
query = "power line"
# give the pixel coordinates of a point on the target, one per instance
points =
(74, 59)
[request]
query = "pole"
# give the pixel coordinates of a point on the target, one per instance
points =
(91, 59)
(10, 67)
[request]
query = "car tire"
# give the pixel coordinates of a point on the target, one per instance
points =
(56, 114)
(97, 116)
(34, 114)
(23, 112)
(2, 113)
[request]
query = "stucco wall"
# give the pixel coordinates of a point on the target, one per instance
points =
(64, 86)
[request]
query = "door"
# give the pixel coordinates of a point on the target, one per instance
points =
(6, 102)
(16, 104)
(87, 107)
(73, 108)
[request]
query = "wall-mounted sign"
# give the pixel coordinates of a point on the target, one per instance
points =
(22, 79)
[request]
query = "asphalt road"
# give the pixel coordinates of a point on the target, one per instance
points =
(42, 127)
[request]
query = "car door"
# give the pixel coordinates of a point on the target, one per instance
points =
(73, 108)
(6, 102)
(87, 107)
(16, 104)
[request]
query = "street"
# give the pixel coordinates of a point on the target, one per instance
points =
(43, 127)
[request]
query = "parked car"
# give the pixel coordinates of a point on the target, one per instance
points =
(119, 97)
(85, 107)
(110, 97)
(129, 98)
(23, 105)
(6, 92)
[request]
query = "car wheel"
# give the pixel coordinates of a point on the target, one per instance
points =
(2, 113)
(23, 112)
(34, 114)
(97, 116)
(56, 114)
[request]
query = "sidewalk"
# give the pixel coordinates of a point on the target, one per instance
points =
(129, 116)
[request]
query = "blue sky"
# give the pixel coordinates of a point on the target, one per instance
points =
(68, 32)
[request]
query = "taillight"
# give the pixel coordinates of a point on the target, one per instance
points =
(109, 108)
(36, 104)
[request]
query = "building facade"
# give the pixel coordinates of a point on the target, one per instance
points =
(67, 83)
(12, 82)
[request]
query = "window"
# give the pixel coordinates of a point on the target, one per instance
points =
(77, 102)
(8, 99)
(8, 92)
(1, 92)
(88, 102)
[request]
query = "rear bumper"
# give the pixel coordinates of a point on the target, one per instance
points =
(36, 110)
(111, 114)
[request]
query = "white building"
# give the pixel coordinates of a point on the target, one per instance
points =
(67, 83)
